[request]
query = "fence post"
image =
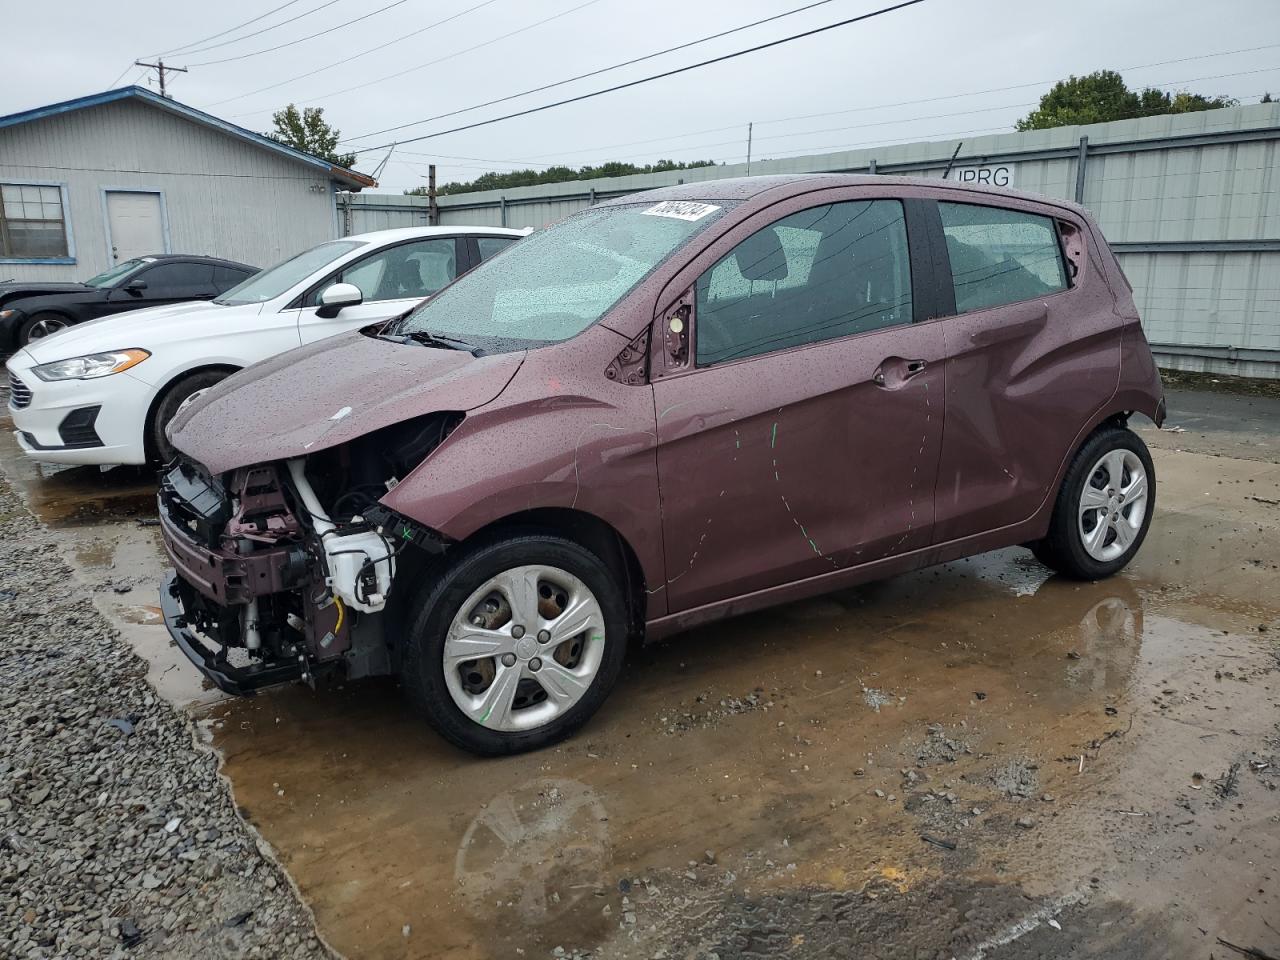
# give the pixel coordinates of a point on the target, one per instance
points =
(502, 208)
(1081, 159)
(433, 210)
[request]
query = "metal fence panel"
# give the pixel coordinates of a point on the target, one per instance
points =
(1191, 202)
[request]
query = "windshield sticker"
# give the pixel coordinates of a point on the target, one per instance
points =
(680, 210)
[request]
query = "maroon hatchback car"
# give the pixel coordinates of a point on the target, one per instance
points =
(670, 408)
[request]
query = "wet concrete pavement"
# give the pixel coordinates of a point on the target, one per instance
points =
(976, 760)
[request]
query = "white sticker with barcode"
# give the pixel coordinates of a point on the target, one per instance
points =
(681, 210)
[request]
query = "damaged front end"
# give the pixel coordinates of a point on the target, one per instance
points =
(284, 570)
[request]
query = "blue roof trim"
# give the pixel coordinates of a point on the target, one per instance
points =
(191, 113)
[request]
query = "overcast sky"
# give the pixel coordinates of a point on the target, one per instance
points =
(935, 49)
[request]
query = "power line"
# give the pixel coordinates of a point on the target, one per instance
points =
(363, 53)
(632, 83)
(215, 46)
(310, 36)
(881, 106)
(450, 56)
(223, 33)
(809, 149)
(558, 83)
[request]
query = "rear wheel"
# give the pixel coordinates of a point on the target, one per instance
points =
(41, 325)
(516, 644)
(158, 445)
(1104, 508)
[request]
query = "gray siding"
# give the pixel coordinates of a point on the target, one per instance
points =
(222, 196)
(1157, 185)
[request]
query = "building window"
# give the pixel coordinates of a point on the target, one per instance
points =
(32, 222)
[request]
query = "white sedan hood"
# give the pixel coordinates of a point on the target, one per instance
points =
(138, 328)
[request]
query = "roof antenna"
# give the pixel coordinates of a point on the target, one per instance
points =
(378, 169)
(952, 161)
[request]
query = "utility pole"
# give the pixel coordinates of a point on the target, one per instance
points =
(749, 126)
(161, 69)
(433, 210)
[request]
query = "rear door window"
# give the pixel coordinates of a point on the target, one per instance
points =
(224, 278)
(1000, 256)
(826, 272)
(491, 245)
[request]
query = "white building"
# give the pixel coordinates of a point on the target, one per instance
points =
(91, 182)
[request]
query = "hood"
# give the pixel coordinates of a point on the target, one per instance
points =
(137, 328)
(329, 393)
(9, 289)
(37, 286)
(30, 302)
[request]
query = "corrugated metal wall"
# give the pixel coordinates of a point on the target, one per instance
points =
(222, 196)
(1190, 202)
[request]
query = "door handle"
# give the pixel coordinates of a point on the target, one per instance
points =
(895, 371)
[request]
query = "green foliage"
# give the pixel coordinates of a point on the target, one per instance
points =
(559, 174)
(1102, 96)
(308, 132)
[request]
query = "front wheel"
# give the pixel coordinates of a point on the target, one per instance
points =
(159, 448)
(516, 644)
(41, 325)
(1104, 508)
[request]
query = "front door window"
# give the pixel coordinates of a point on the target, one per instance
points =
(826, 272)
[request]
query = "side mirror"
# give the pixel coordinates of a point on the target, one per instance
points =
(333, 298)
(136, 286)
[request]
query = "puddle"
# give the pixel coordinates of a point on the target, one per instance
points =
(670, 805)
(120, 561)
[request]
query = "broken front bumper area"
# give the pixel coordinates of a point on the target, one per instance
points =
(213, 663)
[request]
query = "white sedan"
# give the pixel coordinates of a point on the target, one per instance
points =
(101, 392)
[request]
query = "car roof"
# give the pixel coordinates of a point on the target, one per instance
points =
(784, 185)
(412, 233)
(197, 258)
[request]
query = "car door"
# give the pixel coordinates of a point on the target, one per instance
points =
(1031, 355)
(162, 283)
(799, 429)
(391, 280)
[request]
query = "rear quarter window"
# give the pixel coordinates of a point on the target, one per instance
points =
(1000, 256)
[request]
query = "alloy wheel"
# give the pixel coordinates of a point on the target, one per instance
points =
(45, 328)
(1113, 505)
(524, 648)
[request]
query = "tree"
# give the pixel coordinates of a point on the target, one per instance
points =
(1266, 98)
(308, 132)
(1102, 96)
(559, 174)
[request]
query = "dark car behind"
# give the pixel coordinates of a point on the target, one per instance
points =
(30, 310)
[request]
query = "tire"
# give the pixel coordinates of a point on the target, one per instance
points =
(477, 584)
(1110, 463)
(159, 449)
(40, 325)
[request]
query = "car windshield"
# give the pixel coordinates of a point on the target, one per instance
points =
(108, 277)
(274, 281)
(559, 281)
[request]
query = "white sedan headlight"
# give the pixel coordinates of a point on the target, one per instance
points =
(93, 365)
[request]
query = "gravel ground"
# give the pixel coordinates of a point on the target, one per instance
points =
(118, 836)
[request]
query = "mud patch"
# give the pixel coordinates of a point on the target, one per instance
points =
(890, 919)
(707, 711)
(1018, 777)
